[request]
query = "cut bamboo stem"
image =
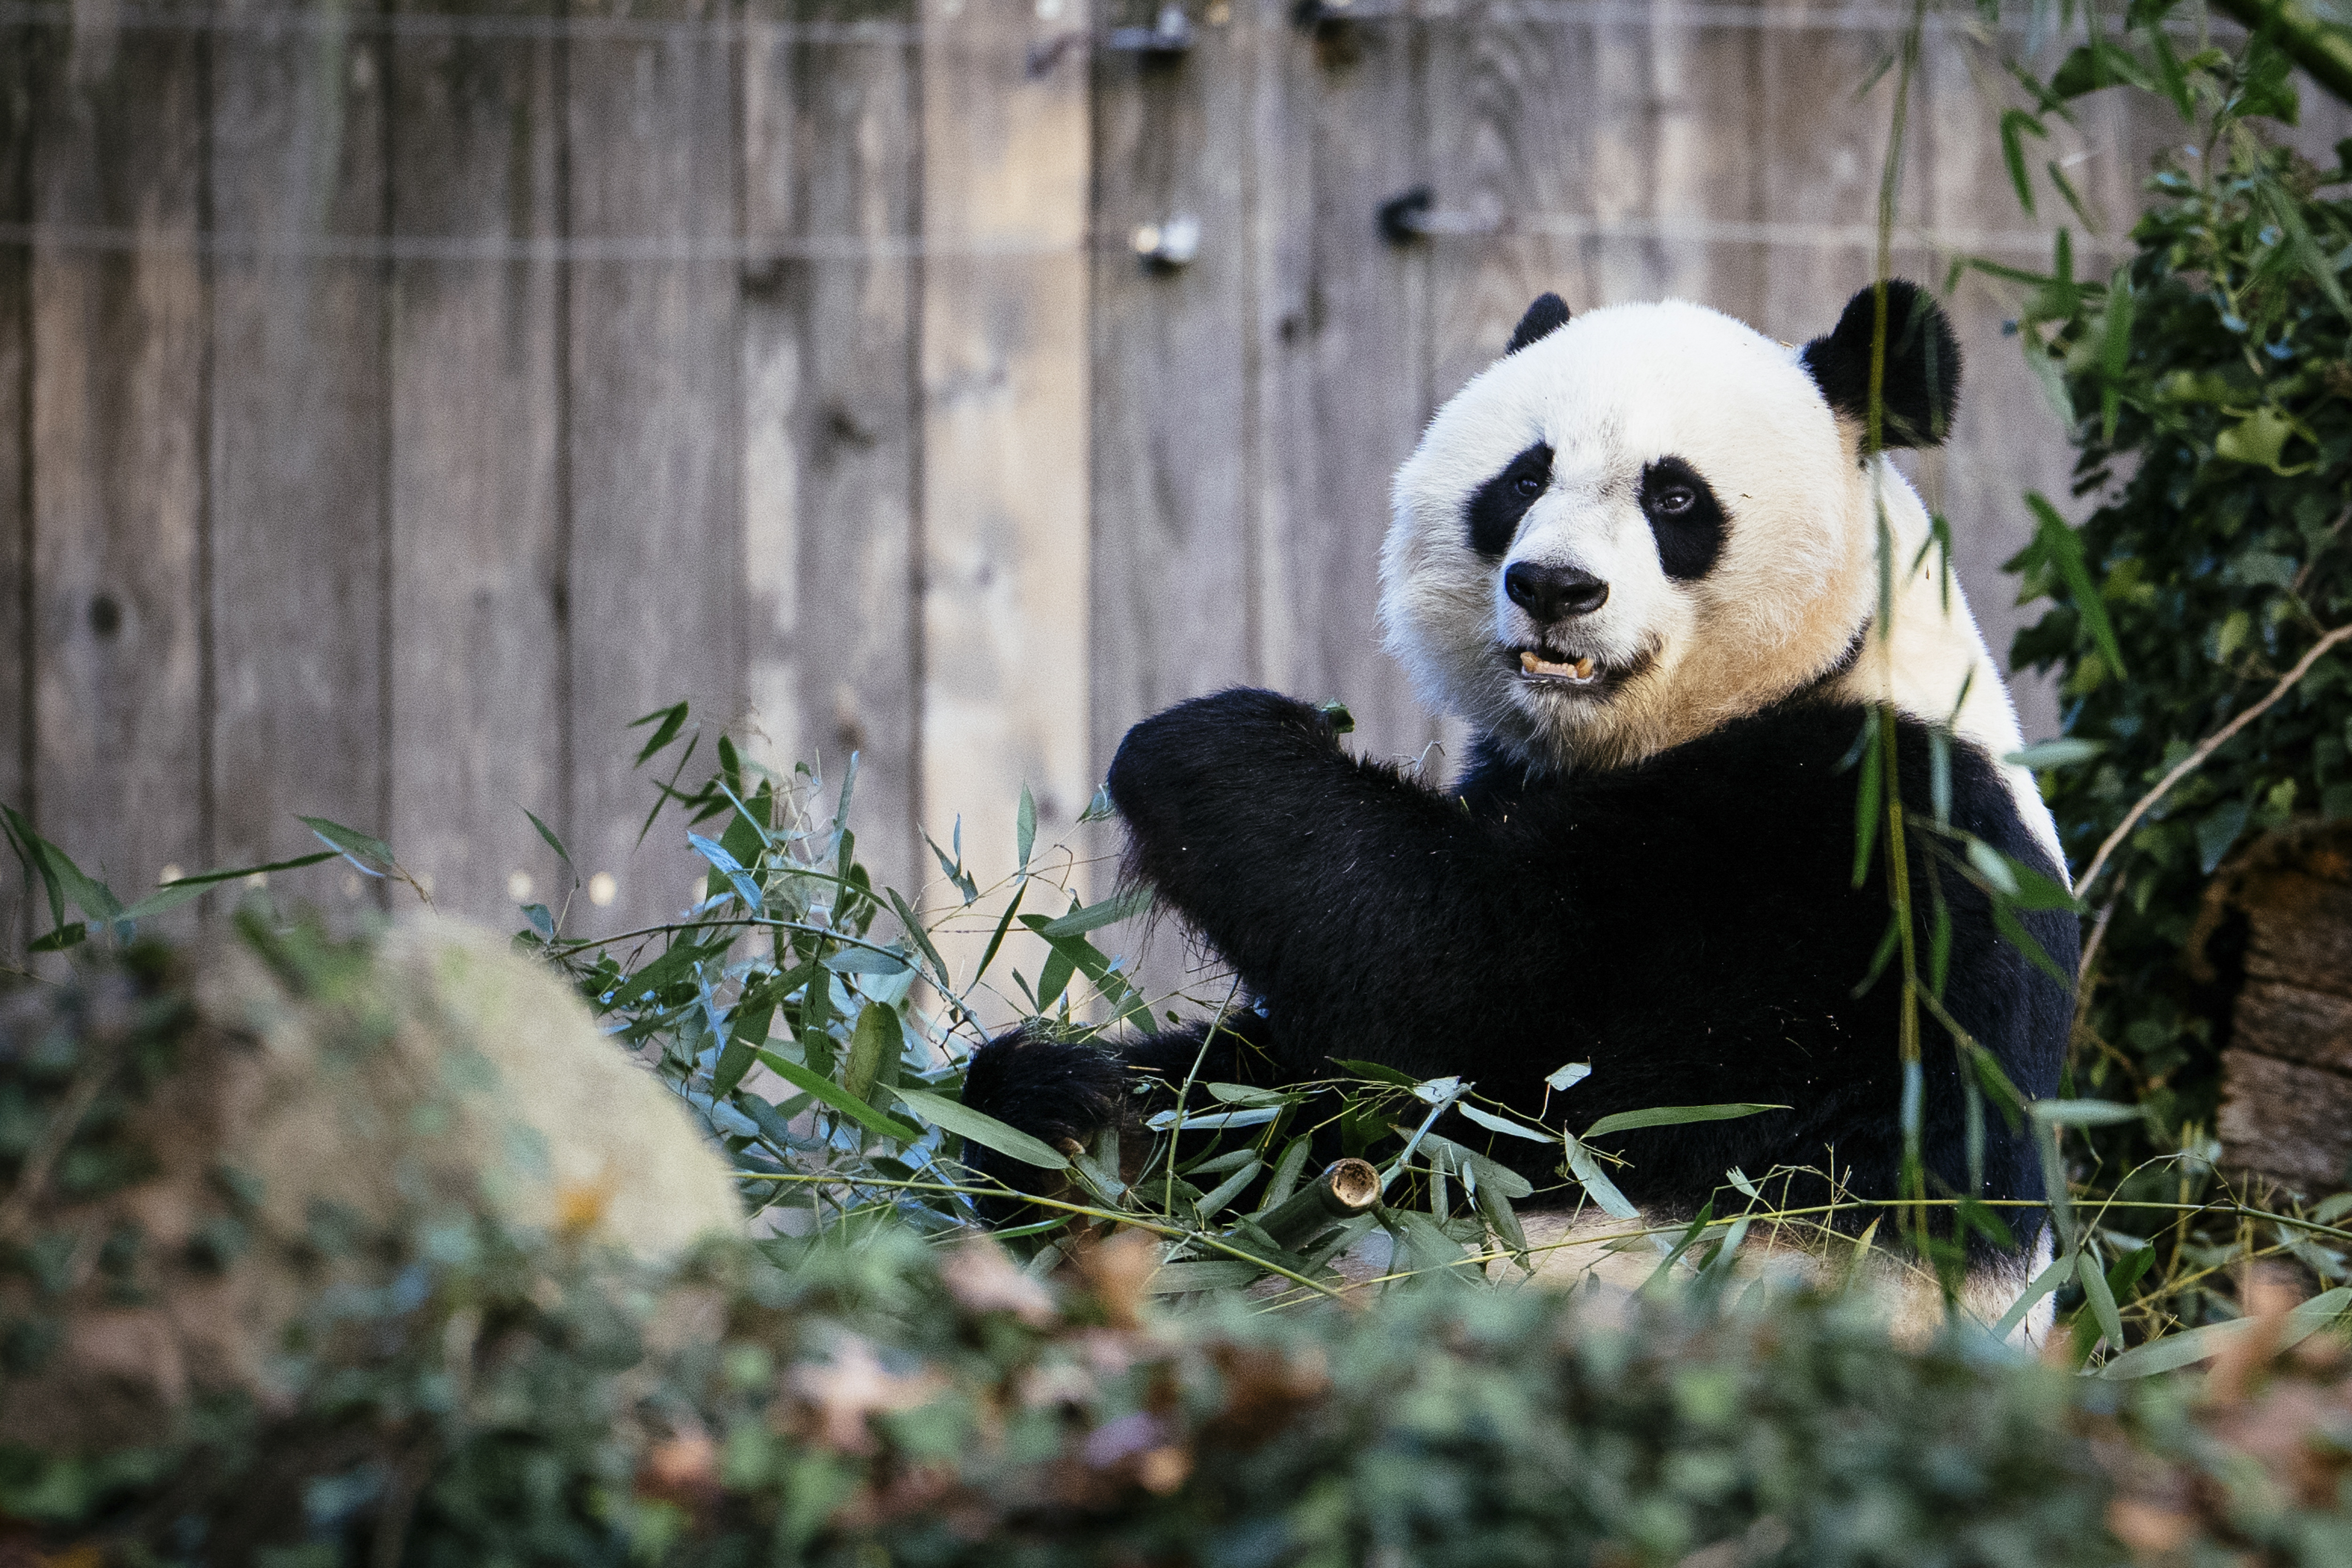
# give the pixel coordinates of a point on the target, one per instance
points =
(1346, 1189)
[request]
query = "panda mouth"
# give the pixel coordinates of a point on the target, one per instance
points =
(1537, 665)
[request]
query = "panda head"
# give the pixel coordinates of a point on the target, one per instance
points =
(1651, 519)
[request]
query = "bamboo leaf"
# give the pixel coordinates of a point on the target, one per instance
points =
(2064, 754)
(2101, 1298)
(1247, 1094)
(874, 1045)
(352, 845)
(1377, 1071)
(1673, 1116)
(2058, 543)
(1597, 1185)
(996, 938)
(841, 1100)
(953, 1116)
(2082, 1112)
(953, 868)
(552, 841)
(1226, 1190)
(1193, 1121)
(671, 719)
(180, 889)
(866, 961)
(730, 867)
(918, 936)
(1865, 812)
(2005, 921)
(1094, 917)
(1504, 1124)
(2192, 1345)
(2015, 125)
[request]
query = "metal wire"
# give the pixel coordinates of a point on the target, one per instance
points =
(753, 252)
(1018, 32)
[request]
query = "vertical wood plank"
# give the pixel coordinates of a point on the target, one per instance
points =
(18, 42)
(1344, 336)
(478, 644)
(1514, 132)
(298, 407)
(832, 140)
(1709, 166)
(1006, 673)
(653, 456)
(1541, 124)
(118, 440)
(1824, 152)
(1173, 366)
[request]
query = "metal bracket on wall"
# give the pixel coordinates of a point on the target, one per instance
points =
(1169, 37)
(1170, 244)
(1413, 215)
(1317, 15)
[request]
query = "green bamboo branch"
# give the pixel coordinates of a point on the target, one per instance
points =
(2321, 47)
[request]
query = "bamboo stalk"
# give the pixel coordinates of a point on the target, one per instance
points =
(1346, 1189)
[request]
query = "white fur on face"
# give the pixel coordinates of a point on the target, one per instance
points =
(1795, 582)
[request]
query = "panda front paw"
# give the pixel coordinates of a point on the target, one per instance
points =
(1175, 768)
(1055, 1091)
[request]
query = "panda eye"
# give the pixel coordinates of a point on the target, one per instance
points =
(1674, 500)
(1528, 485)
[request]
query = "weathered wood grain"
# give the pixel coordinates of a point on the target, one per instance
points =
(298, 423)
(2302, 934)
(2287, 1121)
(2296, 1024)
(21, 47)
(1005, 393)
(118, 452)
(655, 548)
(1557, 132)
(1174, 372)
(1344, 336)
(2286, 1078)
(1514, 122)
(478, 638)
(830, 412)
(1825, 152)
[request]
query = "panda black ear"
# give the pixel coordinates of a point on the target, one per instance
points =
(1546, 315)
(1921, 390)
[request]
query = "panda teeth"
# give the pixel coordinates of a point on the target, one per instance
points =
(1580, 670)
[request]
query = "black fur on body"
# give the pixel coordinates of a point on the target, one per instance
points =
(1687, 925)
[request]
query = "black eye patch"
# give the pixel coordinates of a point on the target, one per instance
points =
(1685, 517)
(1496, 506)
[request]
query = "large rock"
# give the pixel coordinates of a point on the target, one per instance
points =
(190, 1164)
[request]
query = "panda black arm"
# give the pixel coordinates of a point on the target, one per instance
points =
(1341, 892)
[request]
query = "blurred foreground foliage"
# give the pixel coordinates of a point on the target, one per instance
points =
(861, 1396)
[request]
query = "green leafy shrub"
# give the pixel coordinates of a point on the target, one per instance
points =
(2208, 388)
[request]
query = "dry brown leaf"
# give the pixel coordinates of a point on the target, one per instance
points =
(982, 1279)
(1119, 1271)
(855, 1385)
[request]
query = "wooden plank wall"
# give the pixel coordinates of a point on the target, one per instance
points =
(396, 399)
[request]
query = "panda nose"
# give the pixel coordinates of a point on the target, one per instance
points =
(1553, 593)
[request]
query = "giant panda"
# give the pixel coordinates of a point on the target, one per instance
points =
(1639, 555)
